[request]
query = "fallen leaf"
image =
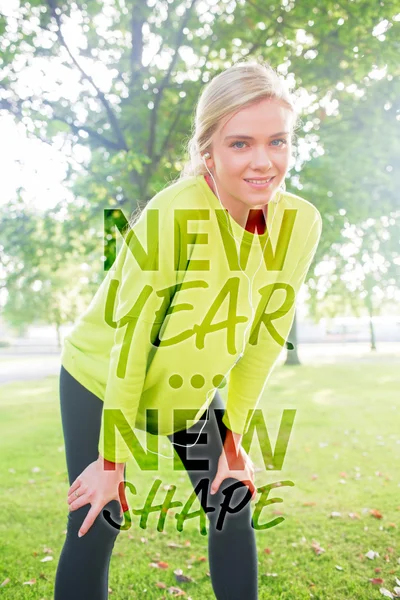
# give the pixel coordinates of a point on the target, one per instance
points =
(267, 550)
(144, 540)
(173, 545)
(202, 559)
(339, 568)
(271, 574)
(376, 580)
(309, 503)
(371, 554)
(354, 516)
(317, 548)
(385, 592)
(336, 514)
(175, 591)
(161, 585)
(5, 582)
(30, 582)
(375, 513)
(46, 559)
(396, 589)
(181, 577)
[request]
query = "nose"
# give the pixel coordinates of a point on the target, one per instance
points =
(261, 160)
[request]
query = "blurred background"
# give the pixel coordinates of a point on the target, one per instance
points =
(96, 103)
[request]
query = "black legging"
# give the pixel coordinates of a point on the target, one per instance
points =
(82, 571)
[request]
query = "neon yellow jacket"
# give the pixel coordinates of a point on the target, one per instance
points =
(176, 317)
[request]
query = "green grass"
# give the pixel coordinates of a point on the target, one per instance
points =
(346, 428)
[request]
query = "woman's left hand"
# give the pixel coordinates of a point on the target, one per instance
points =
(237, 466)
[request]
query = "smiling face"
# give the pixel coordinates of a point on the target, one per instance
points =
(254, 143)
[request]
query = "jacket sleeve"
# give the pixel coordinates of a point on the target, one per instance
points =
(250, 374)
(136, 312)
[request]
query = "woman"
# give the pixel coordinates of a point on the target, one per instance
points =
(228, 249)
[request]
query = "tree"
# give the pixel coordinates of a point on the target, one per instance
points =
(136, 69)
(39, 271)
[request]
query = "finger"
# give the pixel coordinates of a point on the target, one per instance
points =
(74, 486)
(79, 502)
(81, 492)
(90, 519)
(215, 485)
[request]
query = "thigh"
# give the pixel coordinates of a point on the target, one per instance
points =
(81, 413)
(200, 456)
(200, 446)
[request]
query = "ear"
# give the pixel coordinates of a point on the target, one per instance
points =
(209, 161)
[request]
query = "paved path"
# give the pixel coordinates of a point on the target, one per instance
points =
(28, 367)
(31, 366)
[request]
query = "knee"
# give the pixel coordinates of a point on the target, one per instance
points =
(233, 505)
(101, 528)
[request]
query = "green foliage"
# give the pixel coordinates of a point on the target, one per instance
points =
(129, 107)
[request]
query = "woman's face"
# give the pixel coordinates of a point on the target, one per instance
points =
(254, 143)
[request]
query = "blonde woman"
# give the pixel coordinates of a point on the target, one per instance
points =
(201, 295)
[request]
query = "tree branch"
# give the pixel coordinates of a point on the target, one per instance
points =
(137, 21)
(164, 83)
(178, 115)
(110, 145)
(112, 118)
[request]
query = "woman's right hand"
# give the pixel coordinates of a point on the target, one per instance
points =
(97, 486)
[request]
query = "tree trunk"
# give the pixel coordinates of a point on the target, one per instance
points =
(58, 330)
(292, 357)
(372, 332)
(368, 303)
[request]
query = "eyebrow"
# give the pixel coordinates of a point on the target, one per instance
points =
(248, 137)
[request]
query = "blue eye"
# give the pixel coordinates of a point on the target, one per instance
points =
(284, 142)
(233, 145)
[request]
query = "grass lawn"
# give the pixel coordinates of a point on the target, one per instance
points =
(343, 458)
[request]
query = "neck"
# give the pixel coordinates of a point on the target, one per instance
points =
(253, 220)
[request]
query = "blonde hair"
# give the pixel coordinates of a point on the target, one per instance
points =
(242, 84)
